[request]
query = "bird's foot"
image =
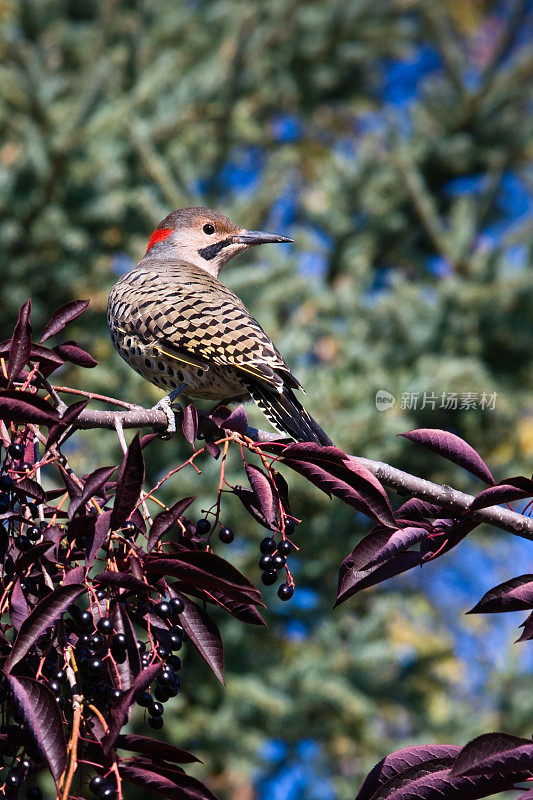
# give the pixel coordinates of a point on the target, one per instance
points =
(165, 405)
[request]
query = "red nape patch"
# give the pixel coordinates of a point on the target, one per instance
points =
(158, 236)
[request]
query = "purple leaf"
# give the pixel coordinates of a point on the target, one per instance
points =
(20, 347)
(205, 636)
(119, 711)
(95, 481)
(129, 484)
(401, 761)
(70, 415)
(18, 606)
(101, 532)
(249, 500)
(42, 617)
(495, 753)
(398, 542)
(336, 473)
(264, 492)
(74, 575)
(25, 486)
(189, 423)
(237, 421)
(527, 633)
(417, 510)
(62, 316)
(165, 520)
(452, 447)
(24, 407)
(501, 493)
(207, 571)
(124, 580)
(213, 449)
(513, 595)
(179, 787)
(131, 667)
(42, 719)
(245, 612)
(71, 352)
(155, 748)
(354, 575)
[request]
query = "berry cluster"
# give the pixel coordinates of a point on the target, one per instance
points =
(274, 558)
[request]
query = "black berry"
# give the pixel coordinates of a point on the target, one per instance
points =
(16, 450)
(203, 526)
(96, 783)
(33, 533)
(156, 723)
(284, 547)
(278, 561)
(23, 543)
(290, 526)
(85, 620)
(107, 792)
(163, 609)
(269, 577)
(226, 535)
(156, 709)
(177, 605)
(128, 529)
(268, 545)
(104, 625)
(265, 562)
(144, 700)
(285, 591)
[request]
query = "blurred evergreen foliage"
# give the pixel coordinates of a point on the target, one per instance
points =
(392, 140)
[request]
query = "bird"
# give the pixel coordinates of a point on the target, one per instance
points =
(182, 329)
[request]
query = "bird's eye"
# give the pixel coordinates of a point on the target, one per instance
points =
(208, 228)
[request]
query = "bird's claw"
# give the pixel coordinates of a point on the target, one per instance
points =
(165, 405)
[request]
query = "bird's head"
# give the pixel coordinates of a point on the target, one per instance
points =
(205, 238)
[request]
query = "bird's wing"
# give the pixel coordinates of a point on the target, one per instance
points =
(198, 318)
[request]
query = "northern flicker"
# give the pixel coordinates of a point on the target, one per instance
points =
(181, 328)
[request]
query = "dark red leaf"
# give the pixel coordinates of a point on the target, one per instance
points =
(245, 612)
(264, 491)
(398, 542)
(155, 748)
(101, 532)
(495, 753)
(42, 719)
(401, 761)
(70, 415)
(527, 633)
(165, 520)
(354, 575)
(205, 570)
(74, 575)
(213, 449)
(336, 473)
(42, 617)
(94, 482)
(205, 636)
(32, 556)
(513, 595)
(189, 423)
(19, 350)
(18, 606)
(24, 407)
(502, 493)
(237, 420)
(62, 316)
(180, 787)
(125, 580)
(433, 780)
(452, 447)
(131, 667)
(250, 502)
(71, 352)
(417, 510)
(26, 486)
(119, 711)
(129, 484)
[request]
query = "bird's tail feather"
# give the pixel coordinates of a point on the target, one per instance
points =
(287, 415)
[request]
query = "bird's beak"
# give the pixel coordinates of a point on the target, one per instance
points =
(259, 237)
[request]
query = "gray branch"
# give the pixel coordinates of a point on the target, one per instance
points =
(403, 482)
